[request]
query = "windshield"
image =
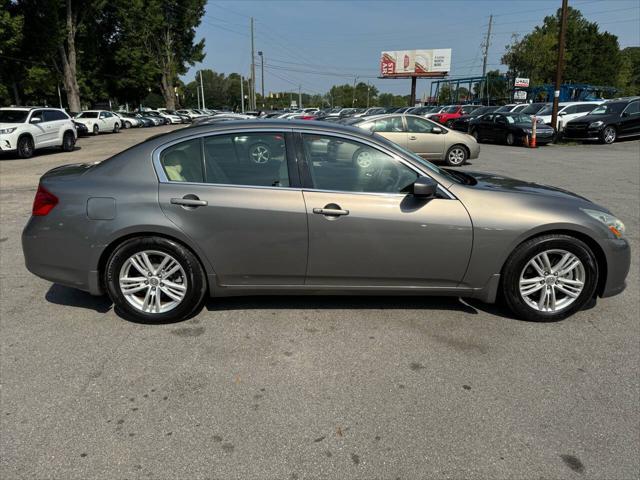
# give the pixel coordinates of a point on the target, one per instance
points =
(13, 116)
(608, 108)
(505, 108)
(427, 164)
(533, 108)
(451, 110)
(548, 110)
(519, 118)
(88, 115)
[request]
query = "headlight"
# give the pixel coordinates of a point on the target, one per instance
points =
(599, 123)
(7, 130)
(613, 224)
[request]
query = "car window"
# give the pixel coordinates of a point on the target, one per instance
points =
(349, 166)
(587, 107)
(88, 115)
(182, 162)
(256, 159)
(389, 124)
(418, 125)
(501, 120)
(38, 114)
(13, 116)
(487, 117)
(52, 115)
(633, 109)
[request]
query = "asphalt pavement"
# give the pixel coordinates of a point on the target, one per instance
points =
(320, 387)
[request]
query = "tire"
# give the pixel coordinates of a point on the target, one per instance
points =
(534, 293)
(449, 124)
(96, 130)
(188, 281)
(68, 142)
(474, 133)
(259, 153)
(126, 125)
(363, 158)
(25, 146)
(456, 156)
(510, 139)
(608, 135)
(116, 128)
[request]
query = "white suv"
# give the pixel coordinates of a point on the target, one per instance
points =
(26, 129)
(567, 111)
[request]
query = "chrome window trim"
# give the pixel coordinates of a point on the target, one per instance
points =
(162, 177)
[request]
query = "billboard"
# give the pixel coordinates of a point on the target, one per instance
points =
(415, 63)
(521, 82)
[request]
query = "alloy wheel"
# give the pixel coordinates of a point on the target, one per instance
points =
(552, 280)
(152, 281)
(456, 156)
(260, 154)
(364, 159)
(25, 147)
(609, 135)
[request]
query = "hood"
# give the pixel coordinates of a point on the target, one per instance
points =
(85, 120)
(595, 118)
(490, 181)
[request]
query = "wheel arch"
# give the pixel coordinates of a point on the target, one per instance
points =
(598, 252)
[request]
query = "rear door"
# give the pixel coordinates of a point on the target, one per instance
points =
(56, 121)
(422, 140)
(364, 231)
(232, 194)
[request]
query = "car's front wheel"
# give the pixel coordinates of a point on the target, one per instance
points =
(26, 147)
(96, 130)
(549, 278)
(510, 139)
(608, 135)
(456, 156)
(155, 280)
(127, 124)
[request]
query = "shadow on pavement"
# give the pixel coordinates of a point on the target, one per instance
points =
(71, 297)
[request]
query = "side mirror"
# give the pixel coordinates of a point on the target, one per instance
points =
(35, 120)
(437, 130)
(561, 114)
(424, 187)
(626, 114)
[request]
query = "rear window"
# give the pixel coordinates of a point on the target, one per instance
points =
(88, 115)
(13, 116)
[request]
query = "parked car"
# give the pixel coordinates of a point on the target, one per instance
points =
(567, 111)
(424, 137)
(510, 107)
(146, 121)
(99, 121)
(359, 214)
(129, 120)
(462, 123)
(156, 120)
(164, 119)
(534, 108)
(423, 111)
(191, 113)
(509, 128)
(24, 130)
(609, 121)
(170, 118)
(449, 114)
(371, 111)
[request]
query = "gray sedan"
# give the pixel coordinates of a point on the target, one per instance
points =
(322, 209)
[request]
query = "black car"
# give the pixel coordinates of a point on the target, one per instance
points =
(607, 122)
(510, 128)
(81, 129)
(462, 123)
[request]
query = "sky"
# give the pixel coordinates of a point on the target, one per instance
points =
(317, 44)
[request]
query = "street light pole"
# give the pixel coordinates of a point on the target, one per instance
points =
(202, 90)
(262, 74)
(560, 65)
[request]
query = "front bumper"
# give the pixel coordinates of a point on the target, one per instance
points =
(8, 142)
(618, 255)
(572, 133)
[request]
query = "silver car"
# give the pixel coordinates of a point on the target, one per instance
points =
(295, 207)
(425, 137)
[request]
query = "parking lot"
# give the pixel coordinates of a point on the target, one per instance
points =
(315, 387)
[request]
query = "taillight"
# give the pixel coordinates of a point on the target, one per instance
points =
(44, 202)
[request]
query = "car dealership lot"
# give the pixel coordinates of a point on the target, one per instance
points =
(311, 387)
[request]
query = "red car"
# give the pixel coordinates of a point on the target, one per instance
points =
(449, 114)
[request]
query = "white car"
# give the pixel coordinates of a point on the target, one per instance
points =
(26, 129)
(128, 120)
(98, 121)
(192, 113)
(567, 111)
(172, 118)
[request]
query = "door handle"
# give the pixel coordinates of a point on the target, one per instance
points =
(189, 202)
(413, 137)
(331, 212)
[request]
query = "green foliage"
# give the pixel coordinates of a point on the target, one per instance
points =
(591, 56)
(629, 76)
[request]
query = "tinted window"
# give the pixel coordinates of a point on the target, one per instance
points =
(609, 108)
(88, 115)
(257, 159)
(38, 114)
(389, 124)
(52, 115)
(585, 107)
(418, 125)
(183, 162)
(13, 116)
(633, 108)
(349, 166)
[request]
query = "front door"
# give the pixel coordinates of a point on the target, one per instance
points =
(630, 124)
(232, 195)
(364, 231)
(422, 139)
(39, 129)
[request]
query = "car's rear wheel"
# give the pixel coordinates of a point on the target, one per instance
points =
(608, 135)
(456, 156)
(127, 124)
(116, 128)
(155, 280)
(549, 278)
(26, 147)
(68, 142)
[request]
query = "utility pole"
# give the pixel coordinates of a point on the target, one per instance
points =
(299, 96)
(262, 74)
(242, 92)
(368, 88)
(560, 65)
(202, 90)
(253, 71)
(486, 54)
(198, 95)
(353, 100)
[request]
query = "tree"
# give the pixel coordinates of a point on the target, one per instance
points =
(629, 77)
(591, 56)
(11, 24)
(162, 33)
